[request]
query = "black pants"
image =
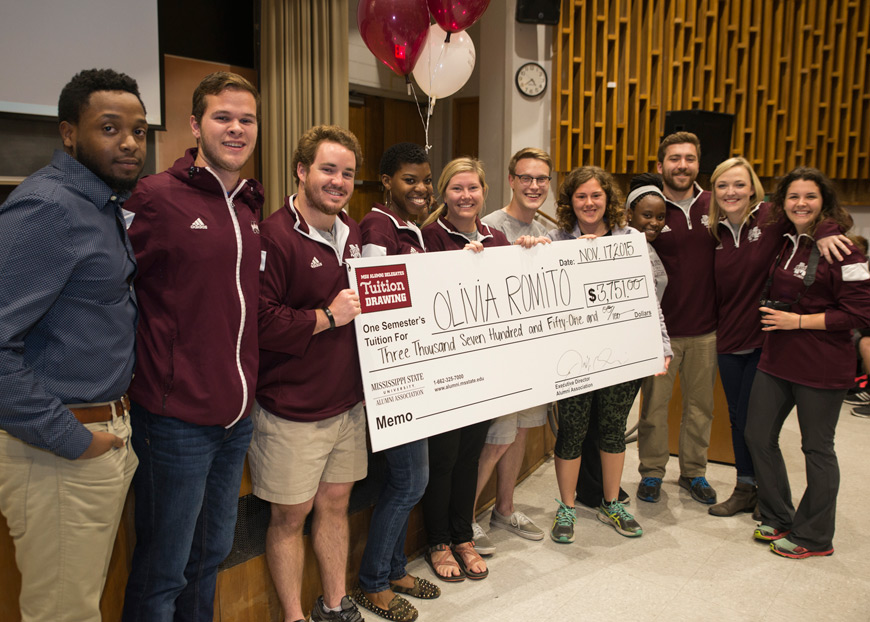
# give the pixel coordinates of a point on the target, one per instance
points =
(590, 486)
(771, 400)
(448, 504)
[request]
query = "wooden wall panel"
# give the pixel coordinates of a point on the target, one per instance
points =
(795, 73)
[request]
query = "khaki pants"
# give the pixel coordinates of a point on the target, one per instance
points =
(63, 516)
(695, 360)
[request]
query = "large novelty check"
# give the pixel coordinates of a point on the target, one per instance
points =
(452, 338)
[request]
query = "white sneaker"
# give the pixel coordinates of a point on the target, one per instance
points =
(482, 543)
(517, 523)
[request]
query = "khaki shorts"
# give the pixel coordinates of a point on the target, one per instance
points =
(503, 430)
(289, 459)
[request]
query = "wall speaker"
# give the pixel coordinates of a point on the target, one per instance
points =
(713, 129)
(539, 11)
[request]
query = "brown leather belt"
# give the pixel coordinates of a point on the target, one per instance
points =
(103, 412)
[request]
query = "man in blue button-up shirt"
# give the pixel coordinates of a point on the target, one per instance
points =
(67, 329)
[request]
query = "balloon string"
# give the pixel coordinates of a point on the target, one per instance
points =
(428, 116)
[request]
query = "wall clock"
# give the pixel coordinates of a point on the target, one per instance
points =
(531, 79)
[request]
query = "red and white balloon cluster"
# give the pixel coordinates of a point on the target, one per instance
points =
(441, 55)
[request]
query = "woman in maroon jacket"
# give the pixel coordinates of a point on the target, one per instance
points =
(391, 229)
(747, 239)
(808, 308)
(448, 504)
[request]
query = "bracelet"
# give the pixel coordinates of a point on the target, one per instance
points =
(329, 317)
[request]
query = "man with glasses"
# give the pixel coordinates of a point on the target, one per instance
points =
(529, 179)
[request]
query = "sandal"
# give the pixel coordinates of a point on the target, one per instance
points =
(467, 556)
(445, 563)
(422, 589)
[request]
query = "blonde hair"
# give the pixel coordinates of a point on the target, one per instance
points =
(715, 213)
(453, 168)
(529, 153)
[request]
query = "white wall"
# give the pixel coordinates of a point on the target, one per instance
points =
(510, 121)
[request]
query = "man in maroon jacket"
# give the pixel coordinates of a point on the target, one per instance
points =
(686, 249)
(309, 444)
(196, 236)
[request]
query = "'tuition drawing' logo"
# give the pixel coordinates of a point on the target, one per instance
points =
(383, 288)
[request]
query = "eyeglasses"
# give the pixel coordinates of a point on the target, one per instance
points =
(527, 180)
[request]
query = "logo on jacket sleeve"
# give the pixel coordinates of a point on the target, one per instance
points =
(354, 251)
(198, 224)
(255, 227)
(315, 263)
(665, 229)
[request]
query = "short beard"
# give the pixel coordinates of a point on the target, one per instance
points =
(117, 184)
(319, 206)
(671, 183)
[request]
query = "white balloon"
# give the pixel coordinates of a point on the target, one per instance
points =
(443, 68)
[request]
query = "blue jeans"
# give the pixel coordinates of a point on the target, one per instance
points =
(187, 489)
(384, 557)
(737, 372)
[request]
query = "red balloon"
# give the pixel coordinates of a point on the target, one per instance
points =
(457, 15)
(394, 31)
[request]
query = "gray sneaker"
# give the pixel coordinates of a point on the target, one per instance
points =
(615, 515)
(482, 544)
(563, 524)
(348, 613)
(517, 523)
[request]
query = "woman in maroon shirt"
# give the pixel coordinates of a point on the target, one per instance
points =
(807, 360)
(448, 504)
(748, 238)
(391, 229)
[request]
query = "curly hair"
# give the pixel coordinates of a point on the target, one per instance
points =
(831, 207)
(757, 195)
(215, 84)
(614, 214)
(399, 154)
(76, 95)
(306, 149)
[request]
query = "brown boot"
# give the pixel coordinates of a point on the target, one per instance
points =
(743, 499)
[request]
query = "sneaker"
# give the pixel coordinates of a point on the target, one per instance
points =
(859, 398)
(861, 411)
(348, 613)
(766, 533)
(482, 543)
(624, 497)
(563, 525)
(701, 490)
(614, 514)
(786, 548)
(649, 489)
(517, 523)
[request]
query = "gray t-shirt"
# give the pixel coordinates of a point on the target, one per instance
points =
(473, 236)
(511, 227)
(329, 236)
